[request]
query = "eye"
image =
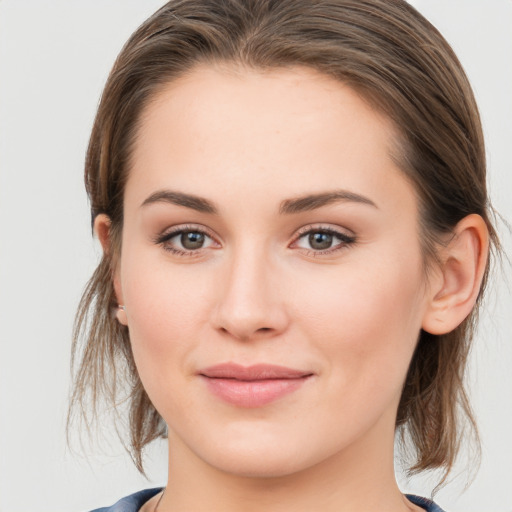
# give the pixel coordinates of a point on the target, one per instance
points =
(185, 240)
(323, 240)
(191, 240)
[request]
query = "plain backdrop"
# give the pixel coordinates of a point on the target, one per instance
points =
(54, 59)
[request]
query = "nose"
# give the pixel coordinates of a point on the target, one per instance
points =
(250, 299)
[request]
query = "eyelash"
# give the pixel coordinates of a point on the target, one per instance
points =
(165, 237)
(345, 240)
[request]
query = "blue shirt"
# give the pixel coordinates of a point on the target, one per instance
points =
(134, 502)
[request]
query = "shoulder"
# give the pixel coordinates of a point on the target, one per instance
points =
(134, 502)
(425, 503)
(131, 503)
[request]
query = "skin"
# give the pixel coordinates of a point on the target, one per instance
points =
(259, 291)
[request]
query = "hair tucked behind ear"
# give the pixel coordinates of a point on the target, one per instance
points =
(394, 58)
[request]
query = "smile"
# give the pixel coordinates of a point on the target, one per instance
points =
(252, 386)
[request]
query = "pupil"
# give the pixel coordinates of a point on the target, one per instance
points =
(192, 240)
(320, 240)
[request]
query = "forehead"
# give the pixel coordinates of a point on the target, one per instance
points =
(291, 130)
(221, 97)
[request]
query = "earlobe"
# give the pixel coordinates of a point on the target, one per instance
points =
(456, 286)
(102, 226)
(121, 315)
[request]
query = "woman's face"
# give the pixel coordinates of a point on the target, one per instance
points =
(271, 270)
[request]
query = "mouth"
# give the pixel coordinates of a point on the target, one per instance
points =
(252, 386)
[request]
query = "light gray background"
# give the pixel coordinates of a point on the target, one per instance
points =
(54, 59)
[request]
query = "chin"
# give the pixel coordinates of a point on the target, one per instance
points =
(264, 456)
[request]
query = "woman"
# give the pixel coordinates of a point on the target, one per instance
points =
(291, 201)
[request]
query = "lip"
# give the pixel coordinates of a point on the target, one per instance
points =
(252, 386)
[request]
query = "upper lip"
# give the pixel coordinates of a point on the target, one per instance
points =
(253, 372)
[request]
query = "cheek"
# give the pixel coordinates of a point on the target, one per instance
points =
(366, 318)
(166, 311)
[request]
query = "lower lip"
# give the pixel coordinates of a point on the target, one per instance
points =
(253, 393)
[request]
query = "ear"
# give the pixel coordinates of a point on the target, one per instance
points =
(102, 226)
(455, 287)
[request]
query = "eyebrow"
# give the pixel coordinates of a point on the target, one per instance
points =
(197, 203)
(289, 206)
(314, 201)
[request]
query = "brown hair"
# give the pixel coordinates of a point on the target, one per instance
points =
(394, 58)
